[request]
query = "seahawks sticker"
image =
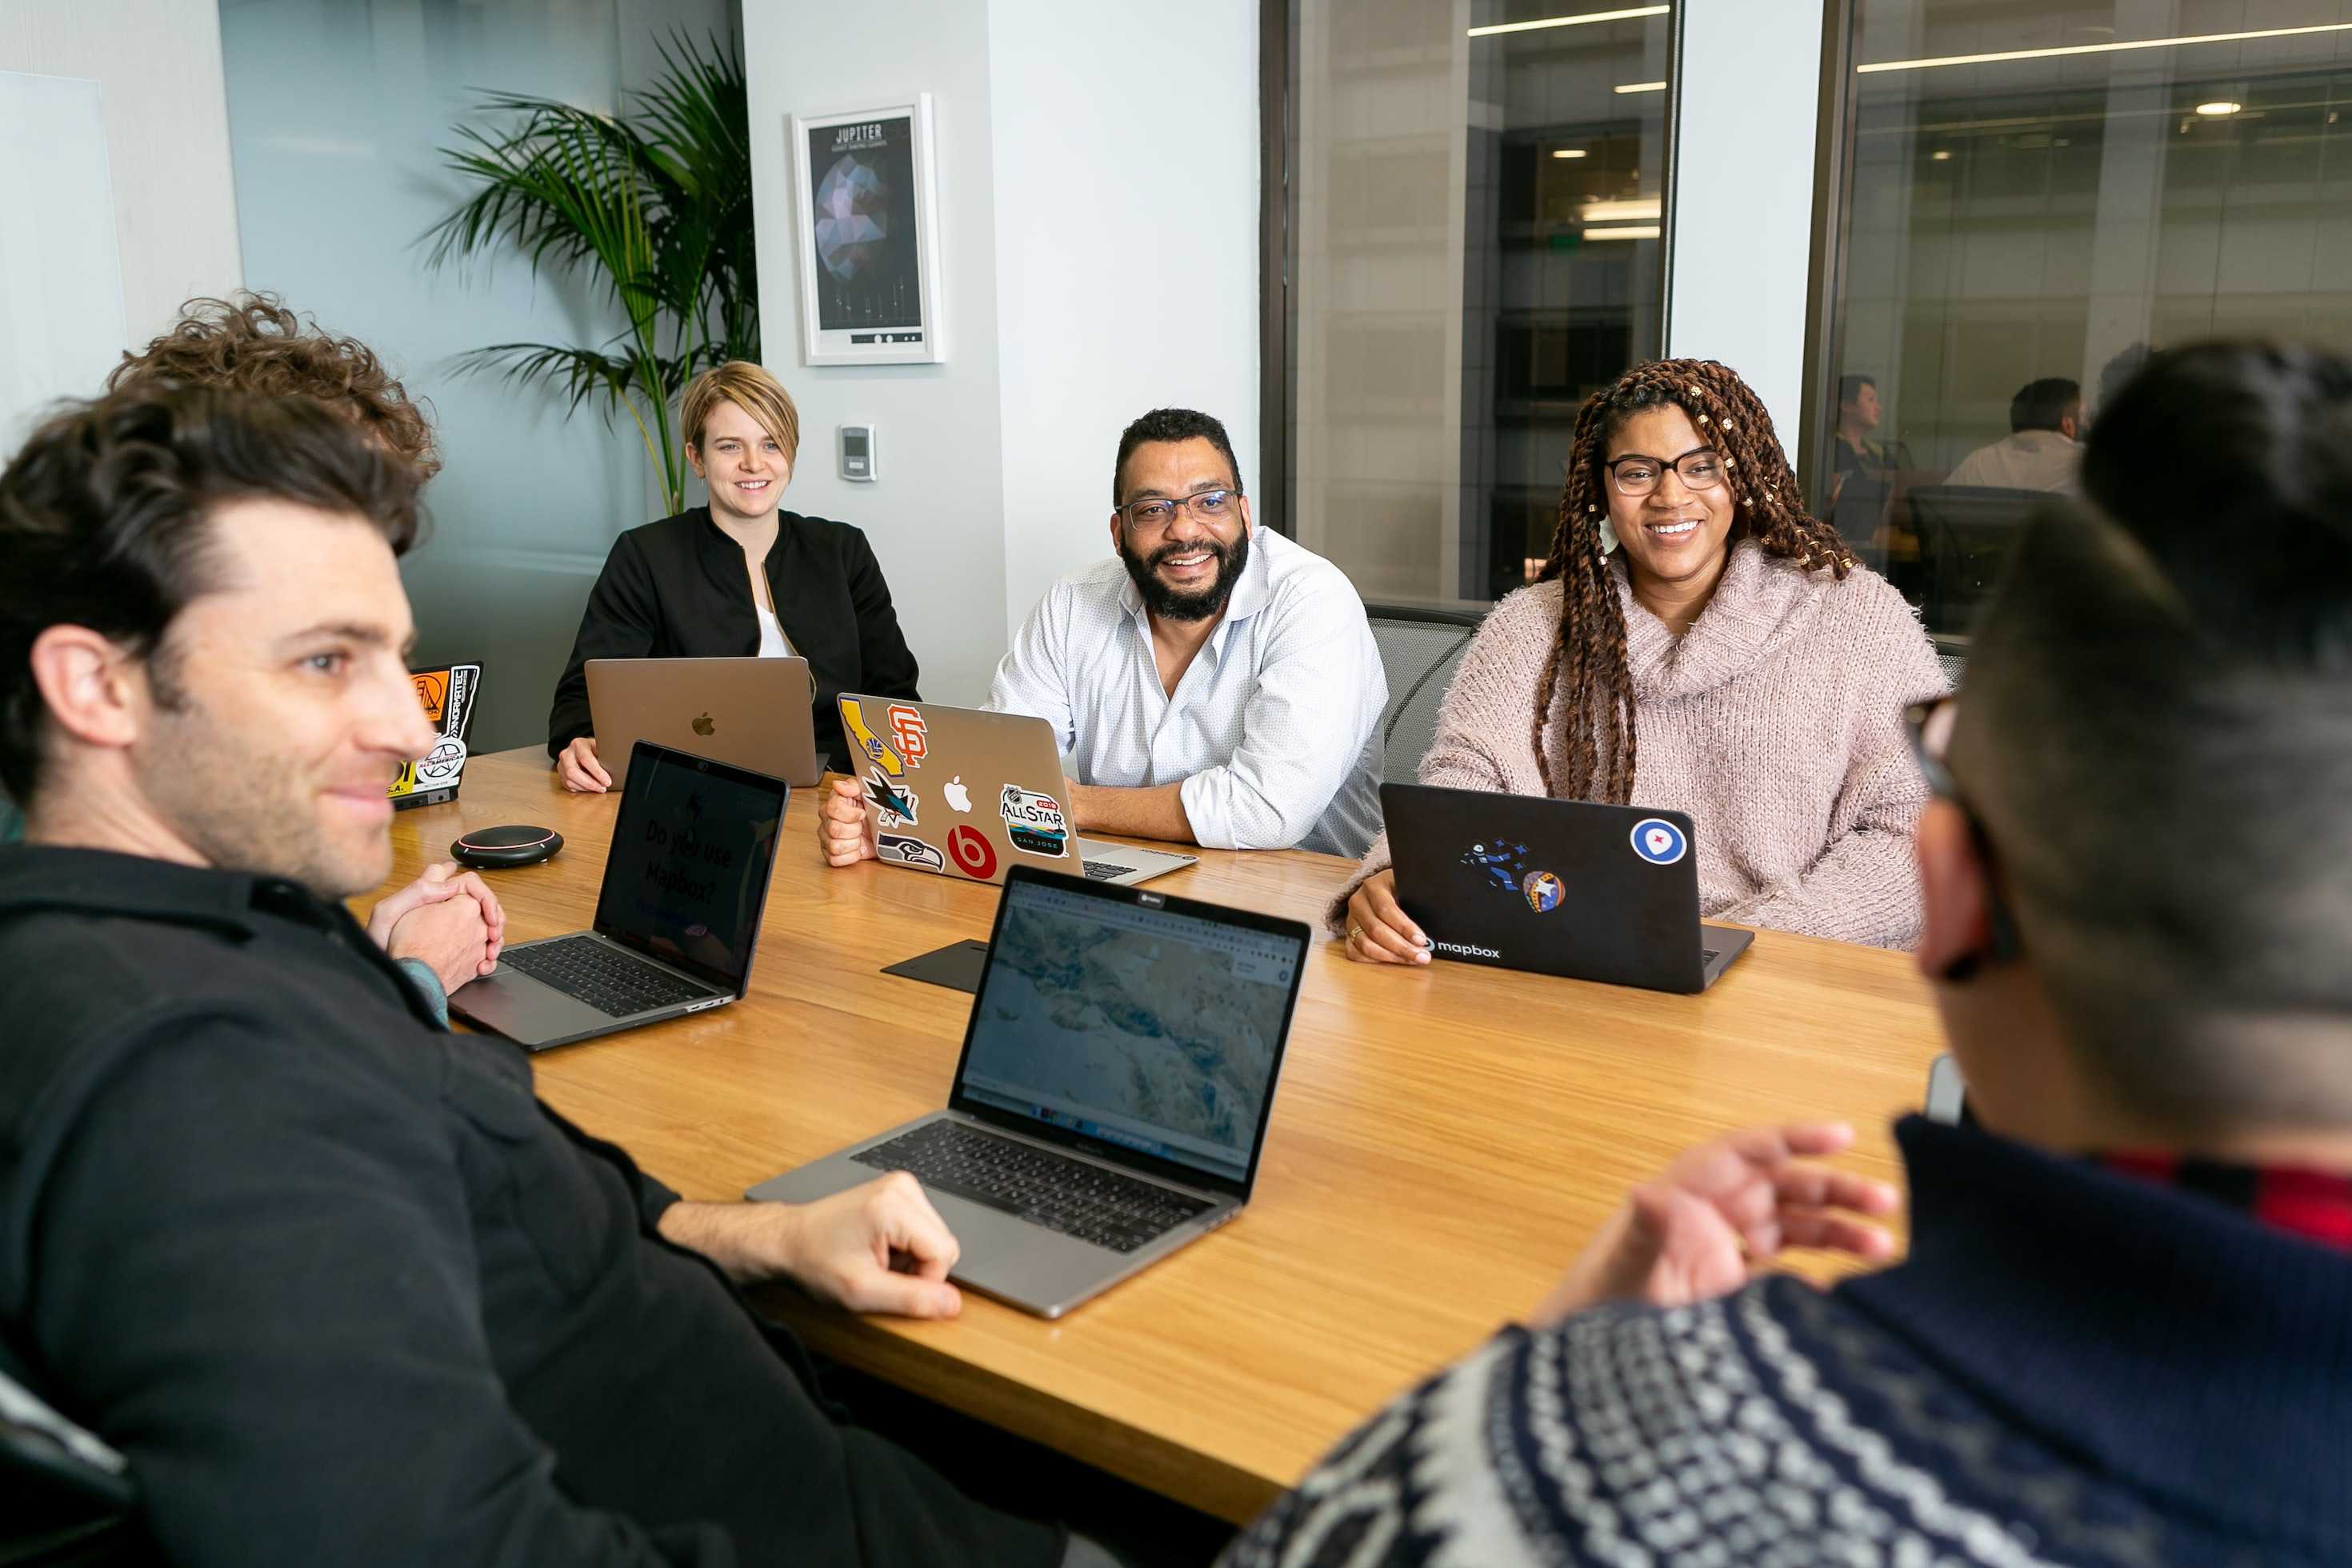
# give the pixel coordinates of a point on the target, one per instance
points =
(1659, 842)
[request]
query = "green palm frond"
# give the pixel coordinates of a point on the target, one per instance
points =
(654, 205)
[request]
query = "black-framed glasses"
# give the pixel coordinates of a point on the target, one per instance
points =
(1931, 724)
(1637, 474)
(1155, 512)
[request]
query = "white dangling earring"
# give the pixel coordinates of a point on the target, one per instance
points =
(1608, 537)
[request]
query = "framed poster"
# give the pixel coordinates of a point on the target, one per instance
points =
(868, 236)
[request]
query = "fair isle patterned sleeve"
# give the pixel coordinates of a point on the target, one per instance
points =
(1769, 1430)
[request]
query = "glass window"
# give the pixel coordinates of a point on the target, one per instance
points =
(1476, 248)
(2035, 197)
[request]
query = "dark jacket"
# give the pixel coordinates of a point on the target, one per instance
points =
(676, 589)
(344, 1291)
(2073, 1365)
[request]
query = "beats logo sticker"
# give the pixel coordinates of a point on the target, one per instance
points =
(972, 853)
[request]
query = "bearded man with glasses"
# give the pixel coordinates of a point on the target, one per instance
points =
(1215, 684)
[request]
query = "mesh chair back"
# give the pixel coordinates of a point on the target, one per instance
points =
(1419, 650)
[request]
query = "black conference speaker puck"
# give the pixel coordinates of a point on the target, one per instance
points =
(501, 848)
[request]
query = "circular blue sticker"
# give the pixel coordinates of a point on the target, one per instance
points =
(1659, 842)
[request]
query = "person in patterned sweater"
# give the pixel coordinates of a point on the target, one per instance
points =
(2123, 1333)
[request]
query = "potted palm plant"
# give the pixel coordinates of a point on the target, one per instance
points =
(655, 203)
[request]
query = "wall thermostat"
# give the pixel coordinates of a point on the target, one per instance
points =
(857, 453)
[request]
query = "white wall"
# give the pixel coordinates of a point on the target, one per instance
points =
(1743, 194)
(158, 66)
(1127, 252)
(935, 513)
(1062, 132)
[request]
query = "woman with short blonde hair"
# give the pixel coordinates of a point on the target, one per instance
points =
(736, 577)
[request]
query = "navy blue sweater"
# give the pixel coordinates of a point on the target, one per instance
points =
(2073, 1365)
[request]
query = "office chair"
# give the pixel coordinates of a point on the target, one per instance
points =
(1419, 649)
(65, 1499)
(1966, 533)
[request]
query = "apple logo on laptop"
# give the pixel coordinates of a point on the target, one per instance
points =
(703, 726)
(957, 797)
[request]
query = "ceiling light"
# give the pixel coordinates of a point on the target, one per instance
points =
(2098, 48)
(1649, 233)
(1620, 212)
(2218, 108)
(1639, 86)
(1568, 151)
(1941, 156)
(1625, 16)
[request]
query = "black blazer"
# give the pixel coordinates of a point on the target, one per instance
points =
(676, 589)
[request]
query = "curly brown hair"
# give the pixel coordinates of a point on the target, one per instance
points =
(1589, 653)
(254, 343)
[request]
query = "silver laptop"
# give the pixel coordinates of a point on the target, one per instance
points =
(752, 713)
(1111, 1102)
(685, 885)
(960, 793)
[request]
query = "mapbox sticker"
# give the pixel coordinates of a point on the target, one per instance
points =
(893, 803)
(907, 730)
(908, 851)
(1658, 841)
(1034, 822)
(974, 855)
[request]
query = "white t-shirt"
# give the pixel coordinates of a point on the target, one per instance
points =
(774, 644)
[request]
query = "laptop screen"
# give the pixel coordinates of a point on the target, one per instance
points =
(1147, 1028)
(687, 874)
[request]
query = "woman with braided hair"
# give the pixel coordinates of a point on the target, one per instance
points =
(1695, 642)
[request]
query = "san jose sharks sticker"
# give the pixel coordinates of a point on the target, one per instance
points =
(1659, 842)
(893, 803)
(909, 851)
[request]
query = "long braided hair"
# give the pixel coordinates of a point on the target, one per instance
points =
(1588, 652)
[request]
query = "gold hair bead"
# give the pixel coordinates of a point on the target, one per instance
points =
(1702, 419)
(1849, 562)
(1731, 426)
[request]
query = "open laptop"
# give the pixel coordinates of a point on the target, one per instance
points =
(449, 692)
(1111, 1102)
(685, 882)
(960, 793)
(1558, 887)
(752, 713)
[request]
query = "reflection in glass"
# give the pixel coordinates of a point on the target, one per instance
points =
(2018, 227)
(1478, 248)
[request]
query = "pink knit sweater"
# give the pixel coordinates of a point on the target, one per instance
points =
(1776, 722)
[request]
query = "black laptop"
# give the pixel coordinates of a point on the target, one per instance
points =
(694, 843)
(1559, 887)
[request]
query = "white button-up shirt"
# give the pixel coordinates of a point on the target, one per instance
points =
(1274, 729)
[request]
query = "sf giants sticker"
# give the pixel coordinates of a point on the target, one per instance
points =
(908, 851)
(894, 803)
(1034, 822)
(974, 855)
(886, 763)
(1659, 842)
(906, 729)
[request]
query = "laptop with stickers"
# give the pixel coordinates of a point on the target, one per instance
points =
(960, 793)
(1111, 1102)
(752, 713)
(449, 692)
(1558, 887)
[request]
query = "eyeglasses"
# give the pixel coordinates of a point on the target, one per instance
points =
(1156, 512)
(1635, 475)
(1931, 723)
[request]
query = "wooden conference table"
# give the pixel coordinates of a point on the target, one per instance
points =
(1443, 1138)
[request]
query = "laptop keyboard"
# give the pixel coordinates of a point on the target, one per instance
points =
(1071, 1196)
(1708, 956)
(1103, 870)
(615, 983)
